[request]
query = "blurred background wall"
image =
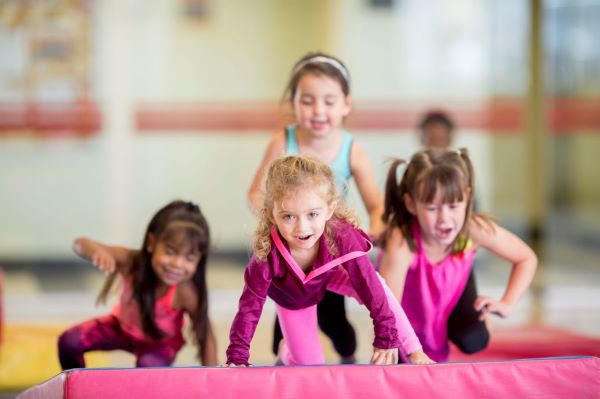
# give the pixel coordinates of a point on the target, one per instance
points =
(109, 109)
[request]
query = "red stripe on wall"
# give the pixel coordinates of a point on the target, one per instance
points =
(572, 115)
(496, 115)
(209, 116)
(499, 116)
(79, 119)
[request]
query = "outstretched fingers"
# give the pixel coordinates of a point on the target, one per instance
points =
(104, 262)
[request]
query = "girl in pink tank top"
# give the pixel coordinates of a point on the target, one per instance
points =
(431, 238)
(160, 283)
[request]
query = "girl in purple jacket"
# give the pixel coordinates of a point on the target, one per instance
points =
(307, 243)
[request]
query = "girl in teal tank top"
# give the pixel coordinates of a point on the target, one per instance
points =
(319, 93)
(340, 165)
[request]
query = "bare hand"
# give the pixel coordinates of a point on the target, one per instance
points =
(237, 365)
(104, 261)
(384, 356)
(376, 234)
(419, 357)
(486, 304)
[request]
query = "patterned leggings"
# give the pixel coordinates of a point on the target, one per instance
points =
(105, 334)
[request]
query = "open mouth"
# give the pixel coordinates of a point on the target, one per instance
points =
(304, 238)
(318, 124)
(445, 232)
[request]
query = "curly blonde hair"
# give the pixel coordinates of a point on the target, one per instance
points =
(291, 173)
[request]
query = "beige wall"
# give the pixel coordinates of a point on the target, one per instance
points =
(107, 187)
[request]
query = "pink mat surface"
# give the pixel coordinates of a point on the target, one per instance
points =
(528, 342)
(540, 378)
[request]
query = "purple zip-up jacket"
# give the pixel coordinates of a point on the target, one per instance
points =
(273, 277)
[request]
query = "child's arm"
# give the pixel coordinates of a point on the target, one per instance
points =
(368, 189)
(106, 258)
(256, 193)
(187, 299)
(257, 278)
(209, 351)
(395, 263)
(511, 248)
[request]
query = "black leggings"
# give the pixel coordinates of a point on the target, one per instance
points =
(331, 314)
(465, 330)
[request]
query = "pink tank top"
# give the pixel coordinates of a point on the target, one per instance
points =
(430, 293)
(168, 320)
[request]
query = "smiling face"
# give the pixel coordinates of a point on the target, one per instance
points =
(300, 217)
(174, 257)
(320, 104)
(440, 220)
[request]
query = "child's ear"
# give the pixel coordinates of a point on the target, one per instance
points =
(347, 105)
(268, 214)
(409, 204)
(150, 242)
(331, 209)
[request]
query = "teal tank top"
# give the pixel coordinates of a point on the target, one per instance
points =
(341, 163)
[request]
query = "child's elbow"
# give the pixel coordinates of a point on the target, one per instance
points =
(532, 259)
(78, 244)
(255, 203)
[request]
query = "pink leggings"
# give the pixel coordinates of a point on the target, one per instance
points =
(301, 343)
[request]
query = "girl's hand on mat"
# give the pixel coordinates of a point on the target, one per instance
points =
(419, 357)
(486, 304)
(103, 260)
(384, 356)
(237, 365)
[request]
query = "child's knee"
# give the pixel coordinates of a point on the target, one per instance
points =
(294, 355)
(70, 340)
(473, 340)
(154, 360)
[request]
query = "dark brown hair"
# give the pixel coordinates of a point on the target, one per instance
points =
(315, 63)
(436, 116)
(182, 223)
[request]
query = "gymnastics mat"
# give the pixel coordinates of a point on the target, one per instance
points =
(571, 378)
(526, 342)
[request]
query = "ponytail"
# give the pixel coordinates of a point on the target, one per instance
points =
(395, 214)
(464, 155)
(393, 197)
